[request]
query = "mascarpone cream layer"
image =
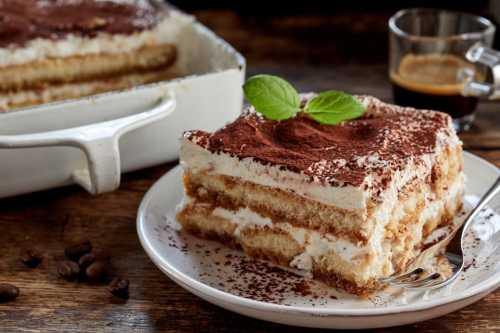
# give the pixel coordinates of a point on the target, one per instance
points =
(166, 31)
(354, 198)
(198, 159)
(368, 261)
(12, 99)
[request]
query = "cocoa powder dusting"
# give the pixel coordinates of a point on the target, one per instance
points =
(256, 279)
(383, 140)
(261, 281)
(24, 20)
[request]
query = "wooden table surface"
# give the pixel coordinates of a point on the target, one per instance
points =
(315, 53)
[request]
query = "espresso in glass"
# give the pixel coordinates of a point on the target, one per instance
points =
(435, 82)
(438, 60)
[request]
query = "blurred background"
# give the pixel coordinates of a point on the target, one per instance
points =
(320, 36)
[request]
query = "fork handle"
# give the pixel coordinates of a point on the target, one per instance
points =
(492, 191)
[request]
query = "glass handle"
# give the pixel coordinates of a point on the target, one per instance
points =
(481, 54)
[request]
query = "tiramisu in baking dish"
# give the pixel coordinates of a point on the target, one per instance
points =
(53, 50)
(351, 202)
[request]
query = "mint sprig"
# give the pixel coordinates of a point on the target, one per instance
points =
(332, 107)
(272, 96)
(276, 99)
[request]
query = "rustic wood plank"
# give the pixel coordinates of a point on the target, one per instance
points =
(316, 53)
(485, 134)
(156, 303)
(492, 156)
(307, 39)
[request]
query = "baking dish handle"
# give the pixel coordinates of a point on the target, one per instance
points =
(98, 141)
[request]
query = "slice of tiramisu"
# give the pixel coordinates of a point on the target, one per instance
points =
(351, 202)
(52, 50)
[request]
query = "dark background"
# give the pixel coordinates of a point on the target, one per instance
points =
(335, 32)
(313, 36)
(317, 45)
(267, 7)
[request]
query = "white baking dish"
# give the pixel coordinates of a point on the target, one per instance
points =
(91, 141)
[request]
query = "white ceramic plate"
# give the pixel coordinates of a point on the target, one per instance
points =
(227, 278)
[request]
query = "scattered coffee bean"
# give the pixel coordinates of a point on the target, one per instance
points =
(76, 251)
(68, 269)
(8, 292)
(97, 271)
(31, 258)
(86, 260)
(119, 287)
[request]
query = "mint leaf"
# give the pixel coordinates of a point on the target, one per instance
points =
(272, 96)
(333, 107)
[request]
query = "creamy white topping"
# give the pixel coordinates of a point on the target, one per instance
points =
(348, 197)
(198, 159)
(367, 261)
(71, 90)
(243, 218)
(167, 31)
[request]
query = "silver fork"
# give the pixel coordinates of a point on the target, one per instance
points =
(418, 278)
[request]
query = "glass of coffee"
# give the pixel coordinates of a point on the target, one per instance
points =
(439, 60)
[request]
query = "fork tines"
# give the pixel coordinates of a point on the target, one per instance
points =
(413, 279)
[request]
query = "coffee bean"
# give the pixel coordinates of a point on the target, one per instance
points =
(97, 271)
(8, 292)
(119, 287)
(86, 260)
(68, 269)
(31, 258)
(76, 251)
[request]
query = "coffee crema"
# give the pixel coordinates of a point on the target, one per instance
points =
(436, 82)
